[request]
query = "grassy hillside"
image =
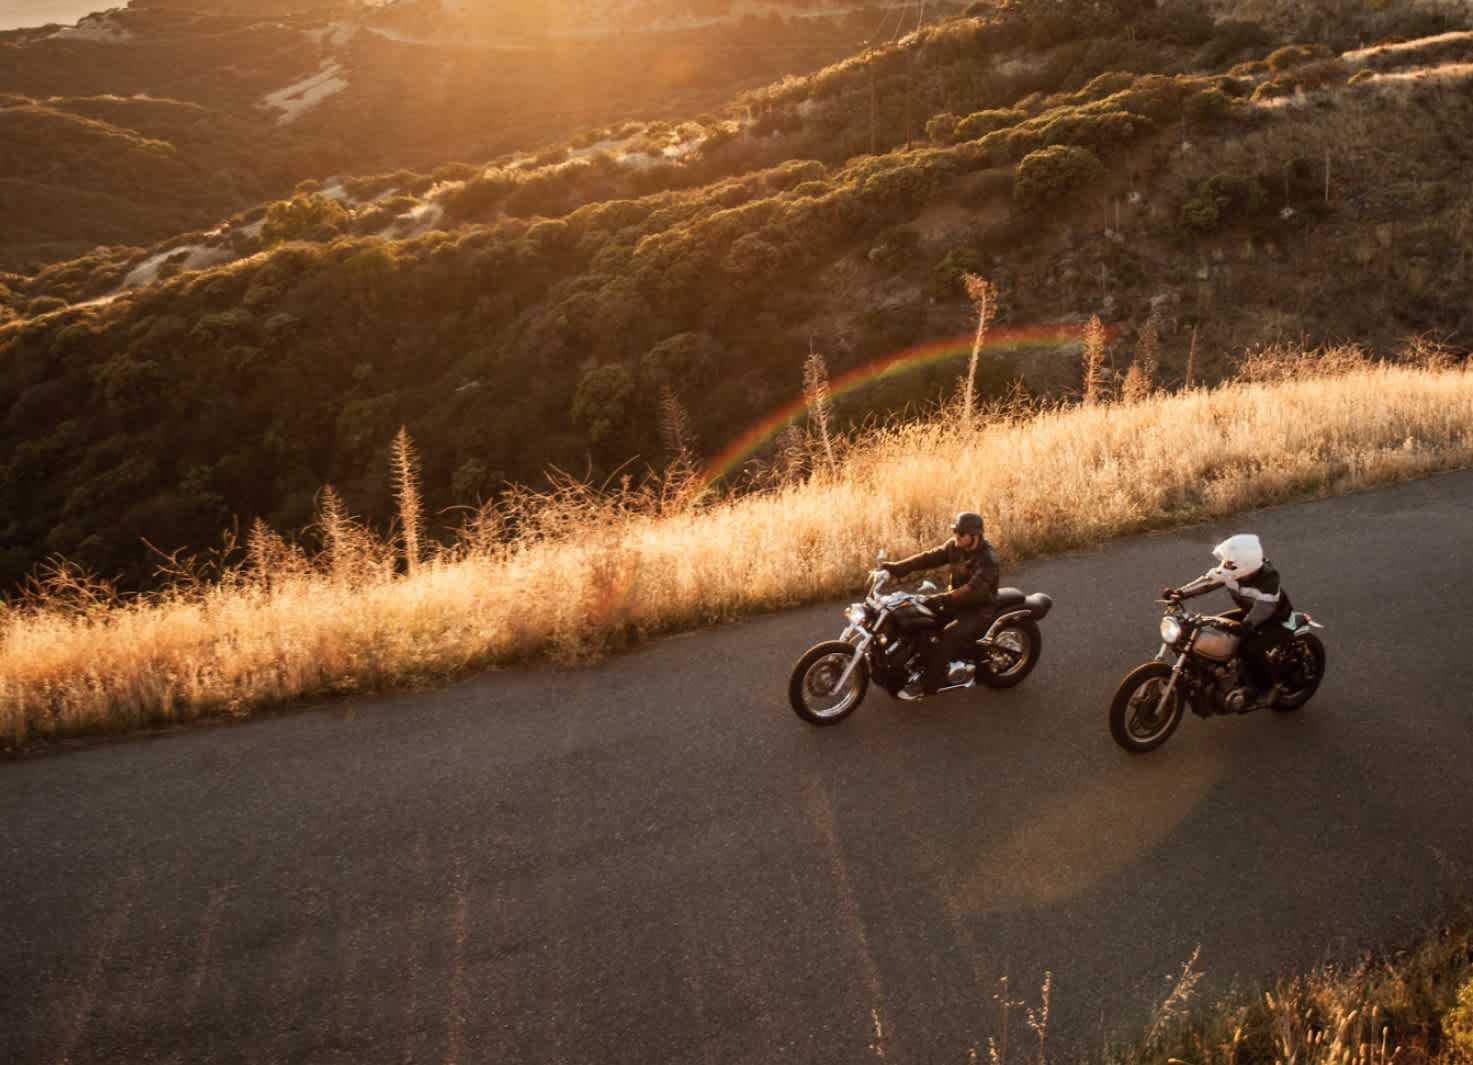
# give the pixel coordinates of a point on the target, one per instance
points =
(1202, 185)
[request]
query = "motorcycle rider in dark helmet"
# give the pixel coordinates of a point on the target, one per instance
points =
(967, 608)
(1262, 606)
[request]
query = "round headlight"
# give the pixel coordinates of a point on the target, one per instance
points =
(854, 614)
(1170, 629)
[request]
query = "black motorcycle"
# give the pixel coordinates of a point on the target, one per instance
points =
(1208, 676)
(888, 638)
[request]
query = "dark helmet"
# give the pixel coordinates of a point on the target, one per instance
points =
(968, 523)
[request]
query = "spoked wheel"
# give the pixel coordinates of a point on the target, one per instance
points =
(1011, 656)
(812, 688)
(1140, 720)
(1302, 671)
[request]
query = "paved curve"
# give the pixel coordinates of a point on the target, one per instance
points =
(654, 862)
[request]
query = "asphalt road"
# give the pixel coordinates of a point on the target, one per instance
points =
(653, 861)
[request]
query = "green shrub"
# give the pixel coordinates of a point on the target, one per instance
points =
(792, 174)
(308, 215)
(1272, 90)
(941, 129)
(1055, 173)
(1199, 214)
(752, 258)
(1294, 54)
(683, 362)
(1219, 198)
(1103, 85)
(980, 123)
(478, 198)
(898, 191)
(1251, 69)
(1207, 105)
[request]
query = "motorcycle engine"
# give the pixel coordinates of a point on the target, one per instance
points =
(1230, 695)
(890, 664)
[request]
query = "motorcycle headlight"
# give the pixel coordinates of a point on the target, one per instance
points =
(854, 614)
(1170, 629)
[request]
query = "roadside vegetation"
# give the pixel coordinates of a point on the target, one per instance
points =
(1411, 1004)
(579, 570)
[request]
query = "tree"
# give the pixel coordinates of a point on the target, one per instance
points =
(601, 402)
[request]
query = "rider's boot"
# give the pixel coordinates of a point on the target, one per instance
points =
(913, 691)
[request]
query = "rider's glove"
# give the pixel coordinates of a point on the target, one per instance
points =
(1171, 595)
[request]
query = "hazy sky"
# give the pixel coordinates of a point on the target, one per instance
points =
(15, 14)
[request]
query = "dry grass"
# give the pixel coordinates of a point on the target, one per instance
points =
(1401, 1008)
(286, 628)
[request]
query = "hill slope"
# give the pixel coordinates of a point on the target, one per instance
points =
(1209, 182)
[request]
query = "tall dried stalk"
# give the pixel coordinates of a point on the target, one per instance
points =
(675, 431)
(332, 520)
(1191, 357)
(1140, 378)
(816, 392)
(404, 464)
(984, 297)
(1094, 359)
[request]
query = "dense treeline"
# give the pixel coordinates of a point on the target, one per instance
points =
(558, 308)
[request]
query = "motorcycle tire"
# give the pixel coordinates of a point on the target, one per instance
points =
(1013, 655)
(1135, 721)
(811, 685)
(1303, 669)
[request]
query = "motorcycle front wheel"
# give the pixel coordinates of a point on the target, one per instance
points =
(811, 688)
(1139, 720)
(1011, 656)
(1303, 669)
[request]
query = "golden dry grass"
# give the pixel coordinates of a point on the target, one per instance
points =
(289, 629)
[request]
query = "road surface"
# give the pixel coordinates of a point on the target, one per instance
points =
(652, 861)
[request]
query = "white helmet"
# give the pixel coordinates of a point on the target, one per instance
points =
(1238, 557)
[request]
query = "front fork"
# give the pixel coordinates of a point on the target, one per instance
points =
(1164, 655)
(860, 647)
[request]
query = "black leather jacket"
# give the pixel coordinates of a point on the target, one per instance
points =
(1260, 595)
(974, 573)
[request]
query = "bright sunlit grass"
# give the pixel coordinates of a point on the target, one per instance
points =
(592, 572)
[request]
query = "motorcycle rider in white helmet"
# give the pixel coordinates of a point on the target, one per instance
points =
(1262, 607)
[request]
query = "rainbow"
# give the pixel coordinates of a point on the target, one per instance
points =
(932, 351)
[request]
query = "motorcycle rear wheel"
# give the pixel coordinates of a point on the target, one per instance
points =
(1303, 669)
(1013, 655)
(1138, 720)
(811, 685)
